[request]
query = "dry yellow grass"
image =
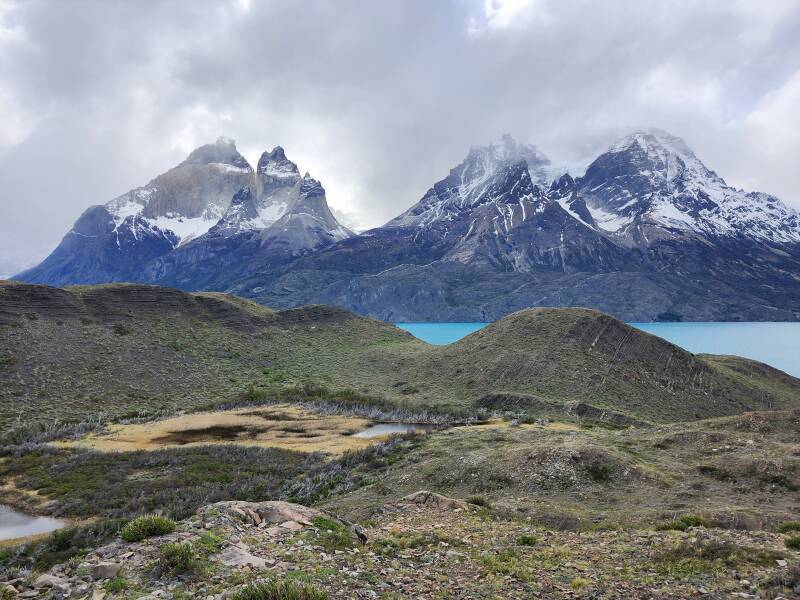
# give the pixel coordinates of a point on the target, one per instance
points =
(280, 426)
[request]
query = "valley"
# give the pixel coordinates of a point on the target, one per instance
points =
(288, 313)
(573, 455)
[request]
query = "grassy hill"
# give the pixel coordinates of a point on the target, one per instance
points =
(115, 350)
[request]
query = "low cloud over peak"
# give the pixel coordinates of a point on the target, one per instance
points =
(378, 100)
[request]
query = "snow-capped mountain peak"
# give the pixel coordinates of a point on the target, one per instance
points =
(652, 181)
(497, 174)
(274, 167)
(221, 152)
(186, 201)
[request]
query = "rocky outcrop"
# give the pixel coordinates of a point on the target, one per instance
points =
(432, 500)
(239, 537)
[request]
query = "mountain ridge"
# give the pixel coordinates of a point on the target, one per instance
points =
(213, 193)
(646, 211)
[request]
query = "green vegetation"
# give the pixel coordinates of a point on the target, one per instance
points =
(59, 546)
(789, 526)
(683, 523)
(782, 582)
(685, 558)
(332, 535)
(178, 558)
(479, 501)
(793, 542)
(404, 541)
(173, 481)
(278, 590)
(153, 350)
(604, 433)
(579, 584)
(209, 543)
(116, 585)
(146, 526)
(546, 474)
(527, 540)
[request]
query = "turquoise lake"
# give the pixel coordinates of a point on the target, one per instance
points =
(777, 344)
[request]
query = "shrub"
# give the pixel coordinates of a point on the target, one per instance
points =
(793, 542)
(527, 540)
(332, 535)
(209, 543)
(789, 526)
(118, 584)
(580, 583)
(177, 558)
(120, 329)
(278, 590)
(389, 545)
(59, 546)
(683, 523)
(479, 501)
(785, 579)
(703, 556)
(599, 472)
(145, 527)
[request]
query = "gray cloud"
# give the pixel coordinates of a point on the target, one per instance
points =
(376, 99)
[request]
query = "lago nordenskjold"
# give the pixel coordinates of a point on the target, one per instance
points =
(777, 344)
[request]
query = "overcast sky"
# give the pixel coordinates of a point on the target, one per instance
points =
(377, 99)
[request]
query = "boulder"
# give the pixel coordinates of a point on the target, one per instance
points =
(237, 556)
(46, 580)
(433, 500)
(105, 570)
(254, 513)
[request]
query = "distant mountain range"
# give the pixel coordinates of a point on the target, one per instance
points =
(647, 233)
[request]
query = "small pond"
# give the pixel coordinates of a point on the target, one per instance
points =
(382, 429)
(14, 524)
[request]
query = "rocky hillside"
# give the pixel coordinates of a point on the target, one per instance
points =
(548, 510)
(121, 349)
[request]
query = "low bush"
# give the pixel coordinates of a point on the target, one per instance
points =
(118, 584)
(789, 526)
(177, 558)
(685, 557)
(782, 580)
(793, 542)
(479, 501)
(58, 547)
(332, 535)
(145, 527)
(278, 590)
(173, 482)
(388, 546)
(527, 540)
(683, 523)
(580, 583)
